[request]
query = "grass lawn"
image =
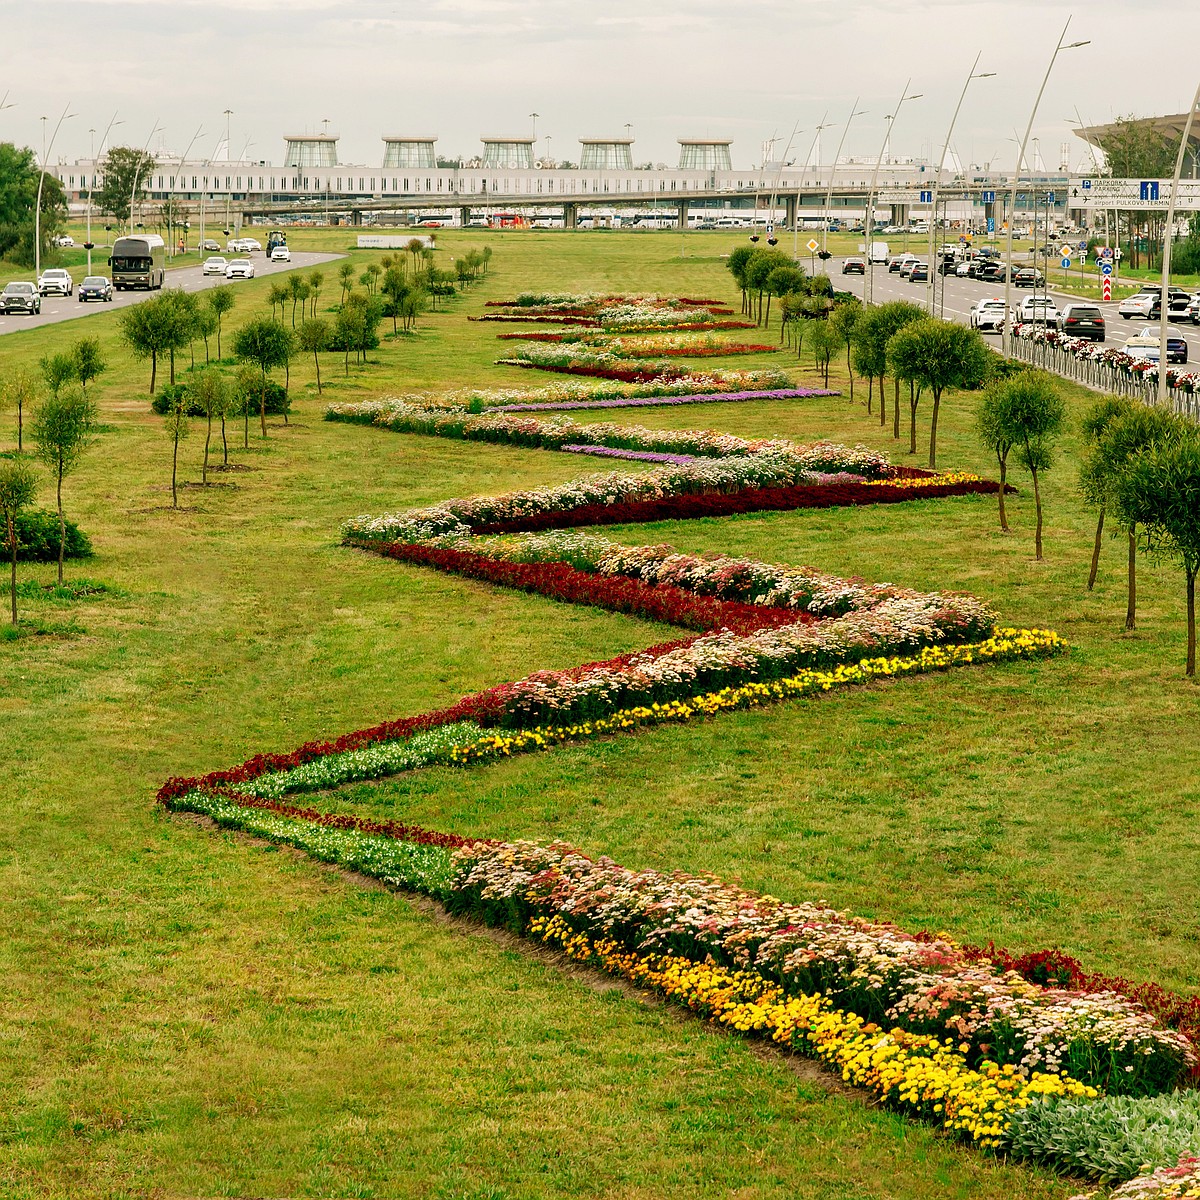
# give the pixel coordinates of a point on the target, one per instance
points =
(187, 1013)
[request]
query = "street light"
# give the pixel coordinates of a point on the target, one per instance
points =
(1168, 234)
(137, 171)
(171, 192)
(533, 117)
(855, 111)
(937, 179)
(869, 223)
(37, 208)
(89, 245)
(1006, 343)
(803, 172)
(4, 102)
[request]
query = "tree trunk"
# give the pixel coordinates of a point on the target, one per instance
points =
(62, 524)
(287, 387)
(914, 398)
(767, 323)
(174, 471)
(1037, 504)
(1131, 576)
(937, 403)
(12, 545)
(224, 441)
(1003, 460)
(172, 366)
(207, 439)
(218, 335)
(1191, 621)
(883, 405)
(896, 413)
(871, 393)
(317, 364)
(1096, 552)
(262, 405)
(153, 369)
(246, 424)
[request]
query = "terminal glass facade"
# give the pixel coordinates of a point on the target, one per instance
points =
(605, 156)
(704, 156)
(516, 155)
(318, 151)
(408, 152)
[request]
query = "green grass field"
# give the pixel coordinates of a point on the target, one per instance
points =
(187, 1013)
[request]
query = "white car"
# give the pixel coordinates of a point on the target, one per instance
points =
(239, 268)
(55, 279)
(1041, 309)
(249, 244)
(64, 240)
(281, 254)
(1140, 305)
(215, 265)
(987, 314)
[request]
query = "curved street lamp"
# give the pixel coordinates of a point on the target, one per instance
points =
(1006, 343)
(869, 223)
(89, 245)
(37, 208)
(937, 179)
(803, 172)
(855, 111)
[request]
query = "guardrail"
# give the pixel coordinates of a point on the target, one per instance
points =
(1105, 376)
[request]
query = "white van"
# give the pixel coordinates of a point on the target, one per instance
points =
(879, 252)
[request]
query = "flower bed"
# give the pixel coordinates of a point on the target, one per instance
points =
(559, 433)
(576, 359)
(648, 345)
(667, 399)
(632, 455)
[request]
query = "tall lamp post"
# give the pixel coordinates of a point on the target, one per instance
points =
(803, 172)
(937, 179)
(855, 111)
(137, 173)
(37, 208)
(1006, 344)
(171, 193)
(869, 223)
(1168, 236)
(89, 245)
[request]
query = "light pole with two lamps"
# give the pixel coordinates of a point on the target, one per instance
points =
(37, 208)
(855, 111)
(88, 244)
(1006, 344)
(869, 223)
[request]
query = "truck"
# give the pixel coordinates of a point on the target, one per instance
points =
(275, 238)
(138, 262)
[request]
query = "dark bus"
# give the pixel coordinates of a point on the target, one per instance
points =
(138, 262)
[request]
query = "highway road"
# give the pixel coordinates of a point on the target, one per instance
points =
(960, 294)
(190, 279)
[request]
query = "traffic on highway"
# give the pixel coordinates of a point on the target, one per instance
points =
(63, 300)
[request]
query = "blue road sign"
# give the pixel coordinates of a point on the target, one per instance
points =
(1106, 252)
(1148, 189)
(1087, 185)
(1106, 268)
(988, 197)
(991, 224)
(927, 197)
(1065, 263)
(1050, 198)
(1081, 245)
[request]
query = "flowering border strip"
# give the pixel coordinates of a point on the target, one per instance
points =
(700, 350)
(652, 370)
(749, 500)
(669, 400)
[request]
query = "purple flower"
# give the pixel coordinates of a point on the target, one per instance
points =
(639, 455)
(651, 401)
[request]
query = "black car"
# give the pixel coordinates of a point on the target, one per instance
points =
(1027, 277)
(894, 264)
(1082, 320)
(20, 297)
(991, 271)
(948, 266)
(95, 287)
(919, 273)
(1177, 350)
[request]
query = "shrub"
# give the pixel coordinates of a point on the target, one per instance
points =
(37, 537)
(278, 401)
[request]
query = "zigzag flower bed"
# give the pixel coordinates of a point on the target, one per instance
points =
(649, 344)
(615, 313)
(577, 359)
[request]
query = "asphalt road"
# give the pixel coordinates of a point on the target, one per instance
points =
(191, 279)
(960, 294)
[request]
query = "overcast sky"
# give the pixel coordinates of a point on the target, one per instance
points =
(459, 69)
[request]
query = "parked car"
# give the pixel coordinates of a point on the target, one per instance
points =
(64, 240)
(987, 315)
(1148, 346)
(283, 254)
(919, 273)
(856, 266)
(55, 279)
(215, 265)
(1040, 309)
(20, 297)
(1082, 320)
(239, 268)
(96, 287)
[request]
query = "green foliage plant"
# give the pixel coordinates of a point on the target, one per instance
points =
(64, 427)
(17, 490)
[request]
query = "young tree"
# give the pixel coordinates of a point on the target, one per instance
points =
(758, 270)
(1034, 414)
(297, 290)
(17, 490)
(871, 333)
(736, 264)
(63, 428)
(824, 341)
(842, 321)
(277, 296)
(992, 423)
(19, 389)
(267, 345)
(178, 428)
(1128, 433)
(156, 327)
(896, 315)
(936, 355)
(1160, 491)
(783, 281)
(220, 300)
(181, 308)
(57, 370)
(206, 325)
(395, 287)
(245, 388)
(88, 360)
(345, 279)
(316, 280)
(1095, 422)
(314, 337)
(208, 390)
